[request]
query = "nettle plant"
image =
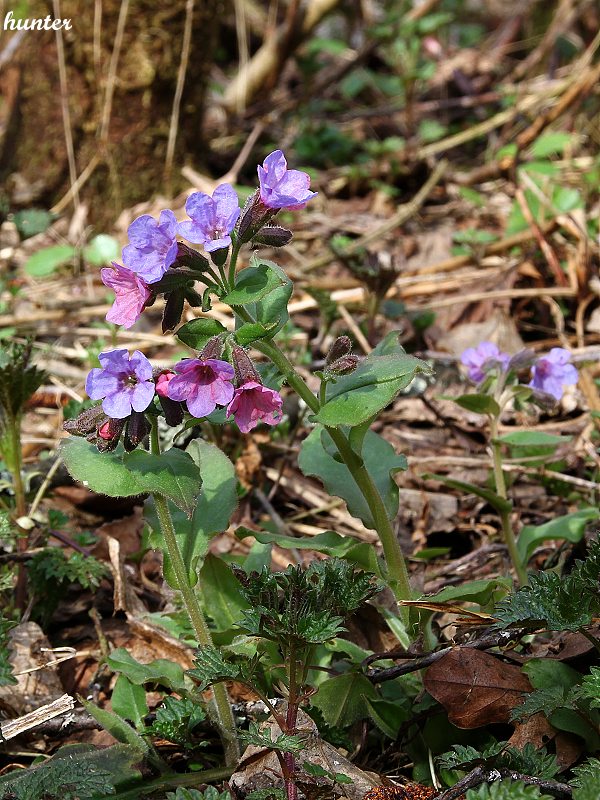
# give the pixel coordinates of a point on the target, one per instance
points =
(193, 492)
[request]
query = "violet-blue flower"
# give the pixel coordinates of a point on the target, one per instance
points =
(201, 383)
(212, 218)
(281, 187)
(125, 383)
(254, 403)
(153, 246)
(131, 294)
(553, 371)
(479, 359)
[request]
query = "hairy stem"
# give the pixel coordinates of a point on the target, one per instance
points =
(507, 529)
(221, 708)
(396, 565)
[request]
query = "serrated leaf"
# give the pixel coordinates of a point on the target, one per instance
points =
(506, 790)
(75, 772)
(211, 667)
(285, 742)
(590, 687)
(197, 332)
(318, 458)
(46, 261)
(128, 700)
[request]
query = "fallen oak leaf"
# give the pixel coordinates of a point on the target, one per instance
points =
(476, 688)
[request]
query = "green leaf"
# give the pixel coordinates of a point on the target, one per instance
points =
(252, 284)
(172, 474)
(570, 527)
(341, 700)
(251, 331)
(318, 458)
(387, 715)
(102, 250)
(498, 503)
(566, 199)
(210, 667)
(590, 687)
(271, 311)
(75, 772)
(118, 728)
(176, 720)
(221, 593)
(586, 781)
(261, 737)
(104, 473)
(551, 143)
(32, 221)
(46, 261)
(129, 701)
(197, 332)
(215, 505)
(161, 672)
(479, 403)
(483, 592)
(354, 398)
(506, 790)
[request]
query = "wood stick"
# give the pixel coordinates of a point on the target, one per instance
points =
(14, 727)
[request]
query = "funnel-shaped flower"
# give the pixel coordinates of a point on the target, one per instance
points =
(125, 383)
(153, 247)
(281, 187)
(552, 372)
(479, 359)
(131, 294)
(212, 218)
(201, 383)
(254, 403)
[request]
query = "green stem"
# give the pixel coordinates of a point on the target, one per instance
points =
(222, 714)
(396, 565)
(14, 462)
(169, 781)
(507, 529)
(232, 264)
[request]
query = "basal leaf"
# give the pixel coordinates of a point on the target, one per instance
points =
(570, 527)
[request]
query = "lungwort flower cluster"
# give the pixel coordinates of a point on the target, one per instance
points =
(549, 374)
(157, 262)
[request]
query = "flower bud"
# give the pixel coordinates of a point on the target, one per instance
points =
(213, 348)
(173, 310)
(162, 381)
(85, 423)
(341, 347)
(244, 368)
(108, 435)
(138, 428)
(188, 257)
(254, 215)
(341, 366)
(273, 236)
(522, 360)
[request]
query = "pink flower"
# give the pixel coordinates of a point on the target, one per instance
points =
(253, 403)
(131, 294)
(201, 383)
(162, 383)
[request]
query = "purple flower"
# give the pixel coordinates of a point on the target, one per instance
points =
(554, 371)
(202, 384)
(125, 383)
(281, 187)
(131, 294)
(254, 403)
(153, 245)
(486, 354)
(213, 218)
